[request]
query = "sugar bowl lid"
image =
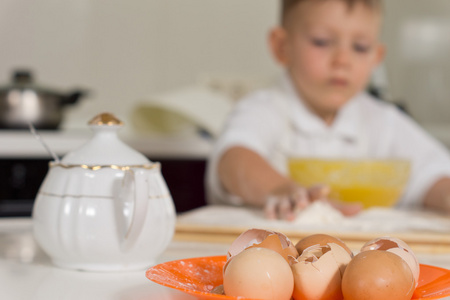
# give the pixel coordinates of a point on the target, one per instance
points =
(105, 147)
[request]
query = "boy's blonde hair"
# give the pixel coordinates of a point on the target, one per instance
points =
(288, 5)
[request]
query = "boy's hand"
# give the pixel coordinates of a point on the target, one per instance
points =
(287, 201)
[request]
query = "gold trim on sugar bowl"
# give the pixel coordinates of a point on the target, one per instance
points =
(150, 197)
(99, 167)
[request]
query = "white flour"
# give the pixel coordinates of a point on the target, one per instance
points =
(321, 216)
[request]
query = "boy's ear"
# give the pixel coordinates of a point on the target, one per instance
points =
(380, 54)
(277, 42)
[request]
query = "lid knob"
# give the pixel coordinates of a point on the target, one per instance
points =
(105, 119)
(22, 77)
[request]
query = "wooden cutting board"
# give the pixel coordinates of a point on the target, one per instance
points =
(420, 242)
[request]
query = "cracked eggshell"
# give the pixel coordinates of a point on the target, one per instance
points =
(264, 239)
(320, 239)
(318, 272)
(398, 247)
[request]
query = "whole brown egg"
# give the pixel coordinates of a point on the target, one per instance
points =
(396, 246)
(258, 273)
(375, 275)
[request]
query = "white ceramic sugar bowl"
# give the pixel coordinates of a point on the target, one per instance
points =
(105, 206)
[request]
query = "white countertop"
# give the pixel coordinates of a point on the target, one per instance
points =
(26, 272)
(22, 144)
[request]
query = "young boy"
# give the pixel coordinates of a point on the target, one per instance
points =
(328, 49)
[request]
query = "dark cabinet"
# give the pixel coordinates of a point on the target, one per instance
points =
(20, 180)
(185, 179)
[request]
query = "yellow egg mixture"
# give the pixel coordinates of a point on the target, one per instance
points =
(371, 182)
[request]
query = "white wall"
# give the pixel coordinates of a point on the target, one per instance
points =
(417, 34)
(125, 51)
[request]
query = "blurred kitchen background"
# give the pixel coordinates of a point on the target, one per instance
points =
(186, 60)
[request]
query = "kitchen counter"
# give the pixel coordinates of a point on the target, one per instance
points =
(26, 272)
(22, 144)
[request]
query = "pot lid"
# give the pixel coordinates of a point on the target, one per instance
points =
(105, 147)
(23, 79)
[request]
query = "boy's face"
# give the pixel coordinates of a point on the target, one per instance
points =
(329, 51)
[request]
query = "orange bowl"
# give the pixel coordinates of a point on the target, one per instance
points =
(198, 276)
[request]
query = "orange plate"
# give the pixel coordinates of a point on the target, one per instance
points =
(198, 276)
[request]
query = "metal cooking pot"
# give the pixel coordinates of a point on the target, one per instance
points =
(22, 102)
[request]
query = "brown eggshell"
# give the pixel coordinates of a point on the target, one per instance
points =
(263, 239)
(375, 275)
(320, 239)
(318, 272)
(218, 290)
(398, 247)
(258, 273)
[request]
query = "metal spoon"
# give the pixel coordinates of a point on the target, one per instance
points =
(39, 138)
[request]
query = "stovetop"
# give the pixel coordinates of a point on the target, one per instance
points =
(22, 144)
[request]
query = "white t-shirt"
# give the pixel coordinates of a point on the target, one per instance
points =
(275, 123)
